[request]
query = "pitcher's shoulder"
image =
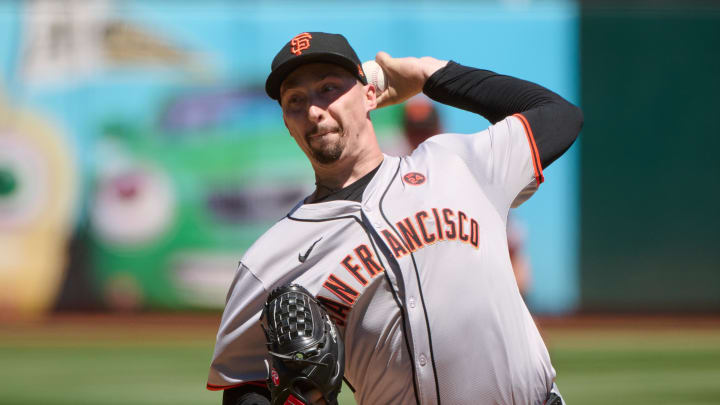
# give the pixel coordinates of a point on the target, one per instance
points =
(283, 233)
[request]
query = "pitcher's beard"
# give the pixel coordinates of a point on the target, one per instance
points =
(330, 152)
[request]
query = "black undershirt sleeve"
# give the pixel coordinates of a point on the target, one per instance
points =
(555, 123)
(246, 395)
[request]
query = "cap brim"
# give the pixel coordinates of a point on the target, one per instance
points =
(276, 77)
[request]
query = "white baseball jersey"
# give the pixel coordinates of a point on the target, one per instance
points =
(417, 277)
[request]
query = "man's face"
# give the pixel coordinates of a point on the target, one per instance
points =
(325, 108)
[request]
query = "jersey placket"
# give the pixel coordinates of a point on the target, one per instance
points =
(403, 276)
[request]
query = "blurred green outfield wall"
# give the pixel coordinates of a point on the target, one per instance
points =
(650, 169)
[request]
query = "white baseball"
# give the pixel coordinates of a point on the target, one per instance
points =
(375, 75)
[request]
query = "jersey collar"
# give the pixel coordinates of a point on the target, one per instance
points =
(335, 209)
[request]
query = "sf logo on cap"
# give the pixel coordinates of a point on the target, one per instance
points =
(300, 43)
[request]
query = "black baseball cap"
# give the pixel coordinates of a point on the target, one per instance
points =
(312, 47)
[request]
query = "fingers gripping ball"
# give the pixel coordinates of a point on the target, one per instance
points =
(307, 354)
(375, 75)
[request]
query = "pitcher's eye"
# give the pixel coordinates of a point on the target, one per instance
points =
(293, 101)
(328, 87)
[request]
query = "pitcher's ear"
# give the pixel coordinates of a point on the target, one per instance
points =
(370, 97)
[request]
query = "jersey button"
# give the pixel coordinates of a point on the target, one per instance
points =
(423, 360)
(411, 302)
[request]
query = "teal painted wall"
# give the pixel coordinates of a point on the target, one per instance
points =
(649, 177)
(230, 45)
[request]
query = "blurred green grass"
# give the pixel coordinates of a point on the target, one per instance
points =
(637, 366)
(156, 360)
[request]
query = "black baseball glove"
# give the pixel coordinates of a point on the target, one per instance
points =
(307, 354)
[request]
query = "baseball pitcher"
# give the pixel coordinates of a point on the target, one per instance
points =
(404, 260)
